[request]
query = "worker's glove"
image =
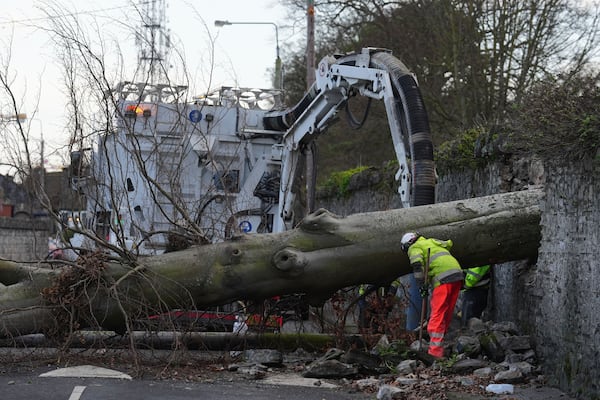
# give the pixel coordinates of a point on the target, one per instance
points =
(424, 291)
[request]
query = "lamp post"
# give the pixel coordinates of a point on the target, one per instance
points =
(278, 66)
(42, 164)
(310, 43)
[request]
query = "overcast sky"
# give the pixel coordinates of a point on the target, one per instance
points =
(244, 53)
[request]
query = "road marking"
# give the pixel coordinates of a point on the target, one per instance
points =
(77, 392)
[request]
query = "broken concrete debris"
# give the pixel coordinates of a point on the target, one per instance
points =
(484, 357)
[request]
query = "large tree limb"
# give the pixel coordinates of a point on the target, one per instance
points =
(325, 253)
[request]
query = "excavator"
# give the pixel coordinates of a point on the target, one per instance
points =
(173, 172)
(228, 162)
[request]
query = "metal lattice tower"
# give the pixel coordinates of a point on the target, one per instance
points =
(153, 41)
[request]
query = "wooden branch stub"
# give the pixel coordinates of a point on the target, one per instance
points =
(290, 260)
(231, 255)
(321, 220)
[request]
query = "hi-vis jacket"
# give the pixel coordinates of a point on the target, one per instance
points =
(443, 267)
(477, 276)
(392, 288)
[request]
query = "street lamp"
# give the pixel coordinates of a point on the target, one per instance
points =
(278, 66)
(13, 117)
(21, 117)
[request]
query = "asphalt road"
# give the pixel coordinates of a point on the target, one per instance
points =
(30, 386)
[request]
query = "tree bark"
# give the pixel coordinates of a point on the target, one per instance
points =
(323, 254)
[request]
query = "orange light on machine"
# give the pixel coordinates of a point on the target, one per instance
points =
(133, 110)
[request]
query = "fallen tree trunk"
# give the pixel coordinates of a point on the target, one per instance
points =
(167, 340)
(325, 253)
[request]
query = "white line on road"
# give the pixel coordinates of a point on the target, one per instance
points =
(77, 392)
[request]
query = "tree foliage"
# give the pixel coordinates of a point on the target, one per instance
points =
(558, 116)
(473, 59)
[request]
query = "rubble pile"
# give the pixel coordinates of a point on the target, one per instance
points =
(483, 358)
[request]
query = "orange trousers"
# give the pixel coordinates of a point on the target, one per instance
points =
(443, 300)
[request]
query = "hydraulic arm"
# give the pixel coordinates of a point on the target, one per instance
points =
(372, 73)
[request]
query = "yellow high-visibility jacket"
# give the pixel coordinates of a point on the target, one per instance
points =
(390, 289)
(443, 267)
(477, 276)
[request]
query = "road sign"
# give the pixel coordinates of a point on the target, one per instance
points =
(195, 116)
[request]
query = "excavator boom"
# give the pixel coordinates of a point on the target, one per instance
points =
(376, 74)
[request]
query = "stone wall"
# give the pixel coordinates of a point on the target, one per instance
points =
(555, 298)
(24, 239)
(370, 190)
(563, 297)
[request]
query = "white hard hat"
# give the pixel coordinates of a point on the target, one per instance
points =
(407, 239)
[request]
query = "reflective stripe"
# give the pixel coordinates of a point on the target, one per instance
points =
(482, 283)
(432, 344)
(438, 255)
(445, 274)
(478, 278)
(436, 335)
(469, 272)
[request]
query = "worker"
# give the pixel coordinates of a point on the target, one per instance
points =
(413, 309)
(444, 275)
(475, 292)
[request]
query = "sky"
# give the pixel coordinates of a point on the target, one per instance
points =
(243, 53)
